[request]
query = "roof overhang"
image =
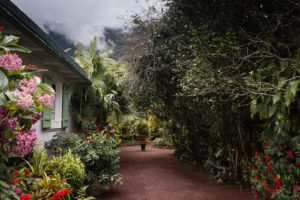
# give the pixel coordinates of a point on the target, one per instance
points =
(45, 52)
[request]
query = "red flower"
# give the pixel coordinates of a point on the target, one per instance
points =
(294, 188)
(43, 93)
(27, 173)
(270, 168)
(98, 128)
(282, 148)
(34, 66)
(74, 131)
(256, 154)
(264, 144)
(1, 27)
(256, 193)
(85, 138)
(26, 67)
(16, 173)
(19, 181)
(14, 181)
(256, 177)
(39, 77)
(289, 154)
(253, 166)
(99, 125)
(288, 166)
(271, 138)
(298, 163)
(95, 118)
(85, 119)
(25, 197)
(268, 158)
(59, 194)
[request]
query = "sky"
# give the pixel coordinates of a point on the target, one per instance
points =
(81, 20)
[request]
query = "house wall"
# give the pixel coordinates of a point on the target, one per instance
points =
(45, 135)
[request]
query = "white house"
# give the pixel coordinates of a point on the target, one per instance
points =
(63, 73)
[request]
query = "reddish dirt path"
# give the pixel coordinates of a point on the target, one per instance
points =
(158, 175)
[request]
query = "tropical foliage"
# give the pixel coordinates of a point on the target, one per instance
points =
(101, 98)
(223, 72)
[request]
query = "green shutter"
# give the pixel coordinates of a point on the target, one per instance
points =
(65, 106)
(47, 112)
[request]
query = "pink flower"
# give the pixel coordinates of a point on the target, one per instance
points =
(25, 142)
(10, 62)
(112, 130)
(27, 86)
(23, 99)
(47, 99)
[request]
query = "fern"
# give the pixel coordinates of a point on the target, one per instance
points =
(82, 194)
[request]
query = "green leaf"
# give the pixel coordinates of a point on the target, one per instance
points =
(3, 99)
(3, 81)
(294, 87)
(276, 98)
(272, 110)
(4, 184)
(288, 97)
(9, 39)
(46, 88)
(9, 134)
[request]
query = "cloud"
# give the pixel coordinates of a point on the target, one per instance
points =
(80, 20)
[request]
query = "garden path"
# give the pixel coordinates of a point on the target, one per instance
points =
(158, 175)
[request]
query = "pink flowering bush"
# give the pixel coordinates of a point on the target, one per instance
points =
(10, 62)
(25, 141)
(27, 86)
(47, 99)
(22, 99)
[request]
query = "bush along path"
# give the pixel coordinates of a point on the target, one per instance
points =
(158, 175)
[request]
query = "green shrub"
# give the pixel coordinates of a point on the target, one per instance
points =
(98, 150)
(70, 167)
(275, 173)
(163, 142)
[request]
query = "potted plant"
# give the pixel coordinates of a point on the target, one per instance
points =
(141, 128)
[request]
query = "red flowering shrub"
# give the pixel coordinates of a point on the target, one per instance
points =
(275, 173)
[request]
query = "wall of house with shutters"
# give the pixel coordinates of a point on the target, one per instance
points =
(60, 119)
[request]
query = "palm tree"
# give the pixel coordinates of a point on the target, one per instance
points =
(99, 99)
